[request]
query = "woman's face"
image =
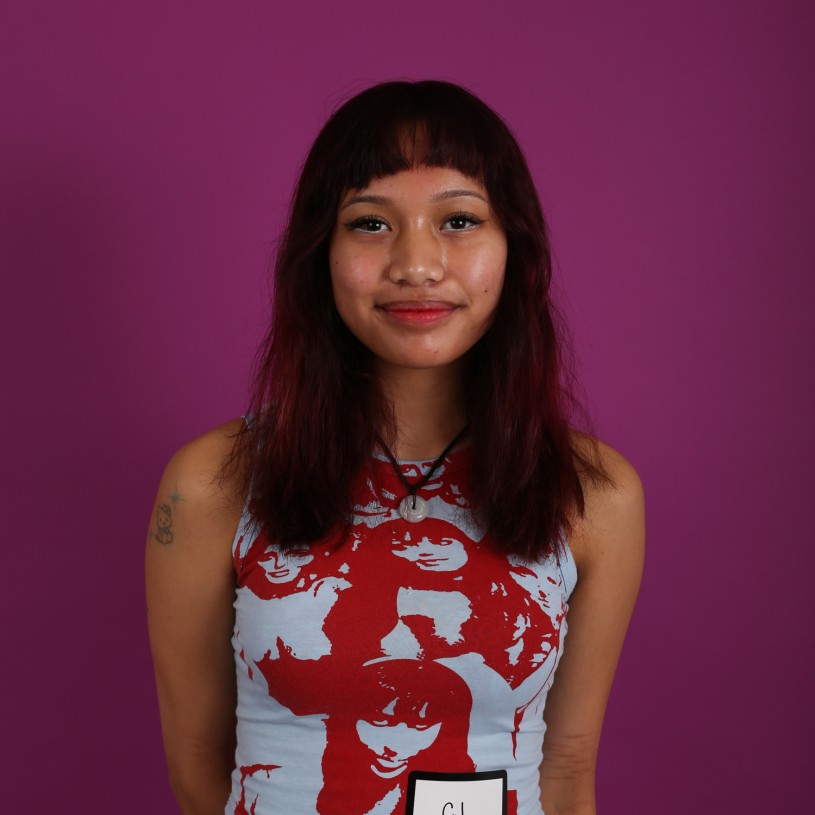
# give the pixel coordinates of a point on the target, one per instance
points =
(443, 554)
(417, 266)
(395, 742)
(283, 568)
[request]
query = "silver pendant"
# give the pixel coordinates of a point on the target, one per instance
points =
(413, 508)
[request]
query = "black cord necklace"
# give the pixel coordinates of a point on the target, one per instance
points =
(412, 507)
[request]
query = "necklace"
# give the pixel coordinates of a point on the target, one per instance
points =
(412, 507)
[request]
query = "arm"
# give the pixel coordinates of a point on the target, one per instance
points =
(190, 590)
(608, 544)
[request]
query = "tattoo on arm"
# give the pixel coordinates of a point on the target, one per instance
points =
(164, 523)
(176, 496)
(164, 518)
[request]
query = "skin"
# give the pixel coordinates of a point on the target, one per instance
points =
(420, 248)
(426, 234)
(190, 589)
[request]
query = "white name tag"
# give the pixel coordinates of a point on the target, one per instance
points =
(457, 793)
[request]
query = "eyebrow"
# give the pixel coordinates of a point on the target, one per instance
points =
(440, 196)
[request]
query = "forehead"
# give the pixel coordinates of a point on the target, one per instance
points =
(422, 183)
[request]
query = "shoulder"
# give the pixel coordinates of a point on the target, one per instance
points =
(199, 463)
(196, 490)
(613, 521)
(205, 454)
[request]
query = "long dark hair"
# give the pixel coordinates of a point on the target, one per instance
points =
(316, 401)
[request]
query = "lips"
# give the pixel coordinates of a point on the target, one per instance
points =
(418, 311)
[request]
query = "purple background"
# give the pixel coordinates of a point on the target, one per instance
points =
(148, 154)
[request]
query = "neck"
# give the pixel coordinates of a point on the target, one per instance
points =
(428, 409)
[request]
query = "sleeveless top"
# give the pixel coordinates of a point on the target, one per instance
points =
(405, 646)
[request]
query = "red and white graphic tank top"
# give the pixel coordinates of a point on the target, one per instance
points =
(408, 646)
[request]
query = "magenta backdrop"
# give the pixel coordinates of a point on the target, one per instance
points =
(148, 153)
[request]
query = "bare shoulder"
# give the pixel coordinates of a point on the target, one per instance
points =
(200, 460)
(192, 491)
(614, 518)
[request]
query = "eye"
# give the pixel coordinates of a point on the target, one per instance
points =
(461, 221)
(368, 223)
(447, 541)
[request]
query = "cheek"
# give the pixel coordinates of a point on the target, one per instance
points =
(487, 269)
(352, 267)
(352, 289)
(492, 276)
(339, 269)
(339, 281)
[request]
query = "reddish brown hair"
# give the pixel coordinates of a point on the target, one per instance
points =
(326, 405)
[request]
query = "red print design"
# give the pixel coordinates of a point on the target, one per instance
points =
(390, 640)
(246, 772)
(291, 595)
(407, 715)
(451, 581)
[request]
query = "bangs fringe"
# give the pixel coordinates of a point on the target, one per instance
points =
(411, 125)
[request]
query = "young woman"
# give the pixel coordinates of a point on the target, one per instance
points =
(406, 499)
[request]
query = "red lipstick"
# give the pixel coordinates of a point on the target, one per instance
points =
(418, 312)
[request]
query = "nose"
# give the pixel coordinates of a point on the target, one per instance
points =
(417, 257)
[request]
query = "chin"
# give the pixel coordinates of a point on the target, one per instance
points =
(415, 362)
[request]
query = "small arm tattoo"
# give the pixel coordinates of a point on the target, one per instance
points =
(164, 523)
(176, 497)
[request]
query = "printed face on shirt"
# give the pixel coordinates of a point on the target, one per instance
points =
(284, 567)
(442, 554)
(394, 742)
